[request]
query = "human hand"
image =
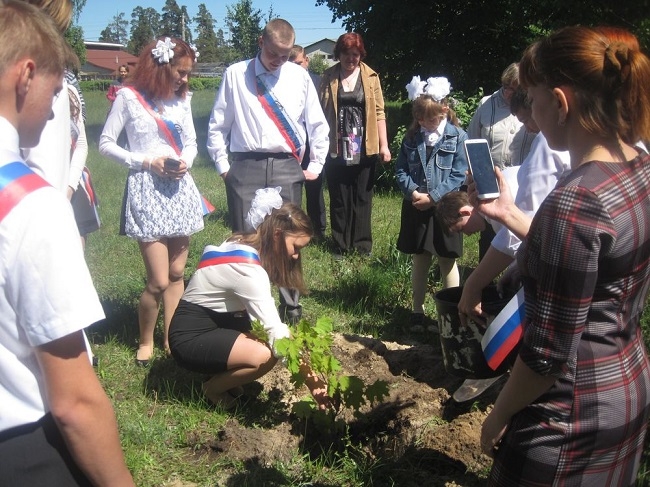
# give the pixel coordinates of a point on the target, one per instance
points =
(317, 387)
(492, 432)
(469, 305)
(384, 155)
(497, 208)
(422, 201)
(511, 279)
(174, 168)
(310, 176)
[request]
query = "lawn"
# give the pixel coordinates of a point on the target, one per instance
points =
(165, 424)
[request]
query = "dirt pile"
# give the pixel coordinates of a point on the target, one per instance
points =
(419, 435)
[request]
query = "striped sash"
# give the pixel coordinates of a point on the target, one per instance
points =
(276, 113)
(167, 127)
(16, 182)
(233, 255)
(172, 136)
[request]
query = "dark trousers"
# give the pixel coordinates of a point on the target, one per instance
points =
(315, 201)
(351, 190)
(316, 205)
(252, 171)
(35, 454)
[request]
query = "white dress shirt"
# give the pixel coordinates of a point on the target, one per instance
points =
(239, 123)
(236, 287)
(46, 291)
(536, 178)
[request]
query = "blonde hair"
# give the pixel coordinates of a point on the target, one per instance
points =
(279, 30)
(27, 32)
(425, 106)
(59, 10)
(510, 75)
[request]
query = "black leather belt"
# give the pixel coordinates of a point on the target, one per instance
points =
(258, 156)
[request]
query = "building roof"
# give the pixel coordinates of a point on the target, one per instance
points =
(106, 58)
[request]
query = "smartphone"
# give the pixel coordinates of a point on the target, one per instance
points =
(172, 164)
(482, 168)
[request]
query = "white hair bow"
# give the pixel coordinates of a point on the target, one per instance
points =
(438, 88)
(265, 200)
(196, 53)
(164, 51)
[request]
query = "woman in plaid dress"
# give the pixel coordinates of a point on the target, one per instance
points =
(575, 408)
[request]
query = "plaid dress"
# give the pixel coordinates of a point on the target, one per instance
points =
(586, 268)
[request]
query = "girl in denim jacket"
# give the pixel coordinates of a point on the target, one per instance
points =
(431, 162)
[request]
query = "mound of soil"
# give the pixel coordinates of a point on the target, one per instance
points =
(418, 435)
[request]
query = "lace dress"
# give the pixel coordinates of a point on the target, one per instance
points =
(154, 207)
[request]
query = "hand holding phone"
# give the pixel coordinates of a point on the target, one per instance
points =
(172, 164)
(482, 168)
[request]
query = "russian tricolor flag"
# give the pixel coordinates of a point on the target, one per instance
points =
(504, 333)
(235, 255)
(206, 206)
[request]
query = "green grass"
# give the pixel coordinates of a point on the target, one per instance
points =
(165, 425)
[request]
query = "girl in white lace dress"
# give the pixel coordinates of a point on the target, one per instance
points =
(162, 206)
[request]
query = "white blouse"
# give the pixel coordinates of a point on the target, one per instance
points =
(145, 138)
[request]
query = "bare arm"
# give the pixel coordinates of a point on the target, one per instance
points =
(522, 388)
(492, 264)
(384, 151)
(501, 209)
(317, 387)
(82, 411)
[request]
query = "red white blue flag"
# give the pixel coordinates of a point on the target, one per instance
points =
(504, 333)
(232, 254)
(206, 206)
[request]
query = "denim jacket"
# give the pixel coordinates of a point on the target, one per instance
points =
(445, 170)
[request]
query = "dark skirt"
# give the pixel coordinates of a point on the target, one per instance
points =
(84, 205)
(201, 339)
(421, 231)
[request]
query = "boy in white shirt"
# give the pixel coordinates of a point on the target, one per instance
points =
(57, 426)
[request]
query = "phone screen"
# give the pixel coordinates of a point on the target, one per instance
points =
(480, 163)
(172, 164)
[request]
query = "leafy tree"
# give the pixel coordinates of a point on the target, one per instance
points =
(207, 41)
(175, 22)
(77, 7)
(469, 42)
(116, 31)
(318, 64)
(244, 25)
(75, 37)
(145, 25)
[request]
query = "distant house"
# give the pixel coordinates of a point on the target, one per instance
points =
(103, 60)
(324, 48)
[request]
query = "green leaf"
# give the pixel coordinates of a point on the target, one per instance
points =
(258, 331)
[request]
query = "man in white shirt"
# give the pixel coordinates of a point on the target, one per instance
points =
(263, 113)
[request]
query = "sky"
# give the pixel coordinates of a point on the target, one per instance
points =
(310, 22)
